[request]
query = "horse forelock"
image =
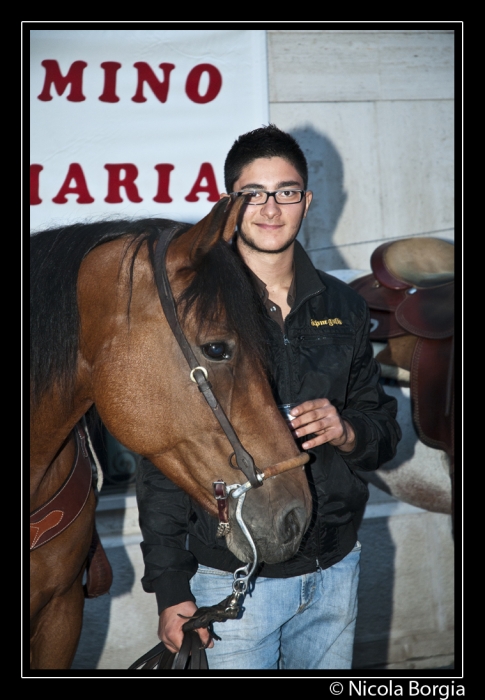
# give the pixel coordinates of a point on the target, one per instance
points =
(220, 292)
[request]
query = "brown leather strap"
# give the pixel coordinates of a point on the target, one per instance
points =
(192, 653)
(158, 658)
(244, 460)
(62, 509)
(192, 656)
(220, 493)
(432, 392)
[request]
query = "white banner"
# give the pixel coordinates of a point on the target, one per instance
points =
(138, 122)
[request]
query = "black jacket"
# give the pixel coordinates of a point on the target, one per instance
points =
(324, 352)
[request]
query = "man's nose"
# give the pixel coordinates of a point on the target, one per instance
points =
(271, 208)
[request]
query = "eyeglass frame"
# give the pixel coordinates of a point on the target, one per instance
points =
(270, 194)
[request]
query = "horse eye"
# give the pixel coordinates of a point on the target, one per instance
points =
(216, 351)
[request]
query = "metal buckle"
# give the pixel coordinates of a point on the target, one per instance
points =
(220, 493)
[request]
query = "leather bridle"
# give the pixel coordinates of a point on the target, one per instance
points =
(244, 460)
(198, 374)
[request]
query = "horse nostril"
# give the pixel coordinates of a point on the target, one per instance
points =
(290, 527)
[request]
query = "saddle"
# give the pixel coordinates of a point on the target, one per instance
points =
(410, 294)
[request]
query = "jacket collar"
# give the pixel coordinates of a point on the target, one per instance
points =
(308, 282)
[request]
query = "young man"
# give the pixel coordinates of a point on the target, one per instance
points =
(300, 614)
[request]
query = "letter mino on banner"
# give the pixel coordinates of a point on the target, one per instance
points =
(131, 124)
(145, 74)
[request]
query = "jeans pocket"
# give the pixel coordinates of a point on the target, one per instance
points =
(357, 547)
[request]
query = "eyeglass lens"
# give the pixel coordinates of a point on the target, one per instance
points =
(281, 196)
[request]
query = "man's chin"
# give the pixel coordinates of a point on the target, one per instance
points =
(260, 249)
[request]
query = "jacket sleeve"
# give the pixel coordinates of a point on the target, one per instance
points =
(370, 411)
(164, 512)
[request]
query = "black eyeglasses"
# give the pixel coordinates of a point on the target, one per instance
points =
(259, 197)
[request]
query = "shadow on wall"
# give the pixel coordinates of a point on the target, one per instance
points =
(376, 595)
(326, 180)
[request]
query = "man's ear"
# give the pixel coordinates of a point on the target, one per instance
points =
(308, 201)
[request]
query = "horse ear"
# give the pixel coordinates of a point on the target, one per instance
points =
(220, 223)
(232, 211)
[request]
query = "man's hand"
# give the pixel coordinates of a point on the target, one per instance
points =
(170, 626)
(320, 419)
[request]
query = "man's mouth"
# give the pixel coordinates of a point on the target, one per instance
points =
(270, 227)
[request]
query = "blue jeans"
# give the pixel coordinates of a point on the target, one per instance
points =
(303, 622)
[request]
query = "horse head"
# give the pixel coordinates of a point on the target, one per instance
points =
(143, 390)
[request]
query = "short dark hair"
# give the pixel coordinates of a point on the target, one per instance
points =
(266, 142)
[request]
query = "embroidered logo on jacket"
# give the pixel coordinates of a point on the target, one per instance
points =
(326, 322)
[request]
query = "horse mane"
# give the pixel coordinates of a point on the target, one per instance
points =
(56, 254)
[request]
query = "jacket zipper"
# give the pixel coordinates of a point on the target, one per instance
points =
(288, 350)
(305, 299)
(287, 370)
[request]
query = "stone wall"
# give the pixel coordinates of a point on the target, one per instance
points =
(374, 112)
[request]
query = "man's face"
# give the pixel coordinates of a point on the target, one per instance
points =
(271, 227)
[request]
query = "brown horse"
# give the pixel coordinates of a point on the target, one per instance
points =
(99, 337)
